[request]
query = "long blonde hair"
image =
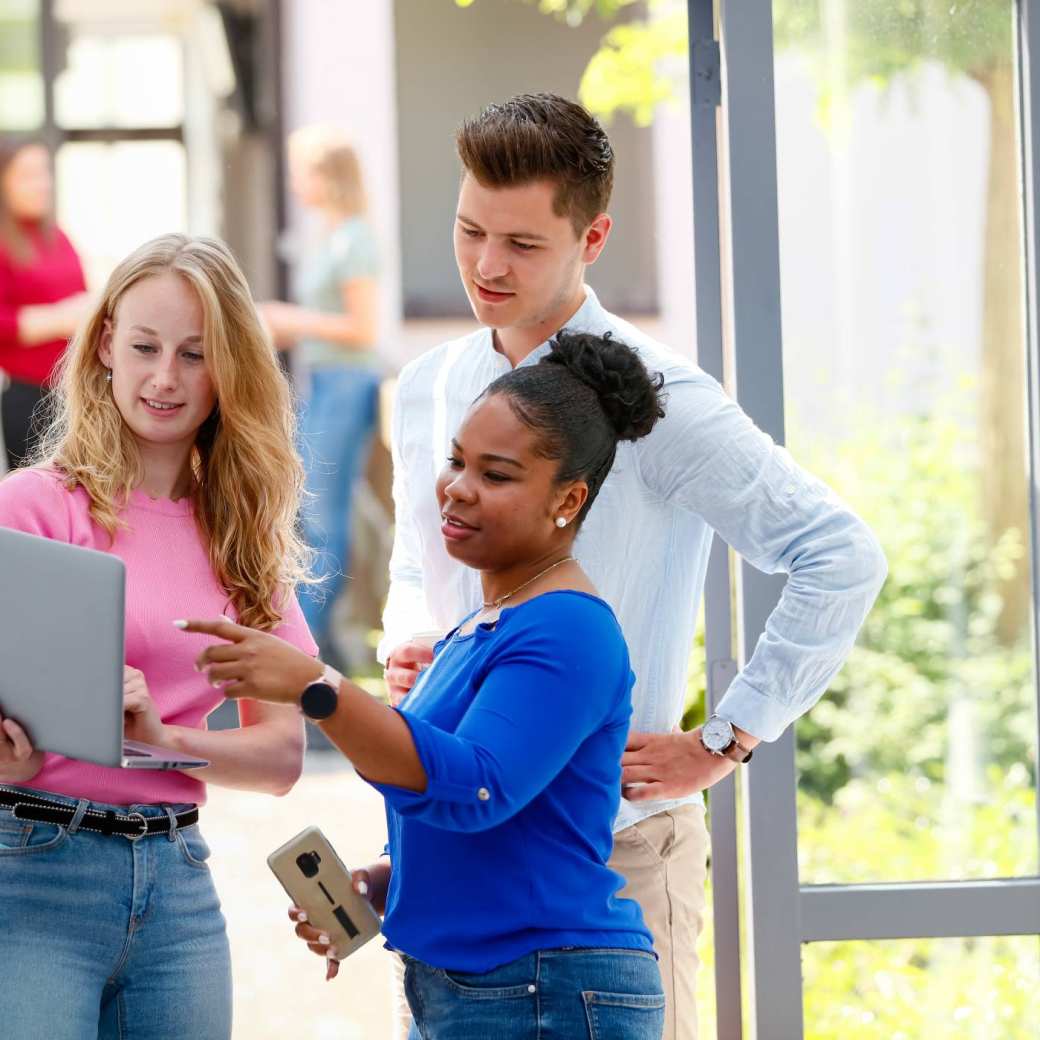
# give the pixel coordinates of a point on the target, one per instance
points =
(247, 475)
(328, 151)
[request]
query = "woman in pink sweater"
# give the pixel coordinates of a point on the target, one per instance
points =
(172, 449)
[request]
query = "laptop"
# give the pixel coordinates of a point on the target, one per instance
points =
(62, 652)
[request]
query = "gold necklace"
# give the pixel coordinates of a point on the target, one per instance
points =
(501, 599)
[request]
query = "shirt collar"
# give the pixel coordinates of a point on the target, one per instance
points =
(589, 317)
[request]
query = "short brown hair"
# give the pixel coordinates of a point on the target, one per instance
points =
(534, 137)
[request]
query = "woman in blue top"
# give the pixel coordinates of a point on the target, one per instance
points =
(501, 769)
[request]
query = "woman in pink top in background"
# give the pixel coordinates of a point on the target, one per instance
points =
(173, 450)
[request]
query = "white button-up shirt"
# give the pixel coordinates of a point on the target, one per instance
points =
(645, 542)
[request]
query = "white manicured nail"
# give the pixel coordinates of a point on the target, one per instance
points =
(362, 887)
(323, 939)
(302, 915)
(180, 624)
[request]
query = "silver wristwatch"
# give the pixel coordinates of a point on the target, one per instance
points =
(718, 737)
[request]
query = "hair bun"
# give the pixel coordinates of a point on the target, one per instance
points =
(630, 396)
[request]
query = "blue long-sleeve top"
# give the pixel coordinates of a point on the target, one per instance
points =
(520, 728)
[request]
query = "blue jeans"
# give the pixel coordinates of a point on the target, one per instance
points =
(101, 937)
(336, 426)
(569, 994)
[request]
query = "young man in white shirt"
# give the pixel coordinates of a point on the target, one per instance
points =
(537, 176)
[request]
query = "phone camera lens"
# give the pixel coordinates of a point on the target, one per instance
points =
(308, 863)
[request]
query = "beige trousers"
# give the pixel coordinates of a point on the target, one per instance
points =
(664, 861)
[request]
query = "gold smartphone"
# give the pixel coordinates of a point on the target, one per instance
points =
(317, 881)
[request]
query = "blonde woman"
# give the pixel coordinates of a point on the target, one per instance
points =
(172, 449)
(332, 335)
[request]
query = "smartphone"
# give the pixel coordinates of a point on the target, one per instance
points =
(317, 881)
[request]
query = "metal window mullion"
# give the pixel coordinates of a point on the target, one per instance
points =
(1028, 23)
(704, 72)
(772, 898)
(49, 43)
(921, 911)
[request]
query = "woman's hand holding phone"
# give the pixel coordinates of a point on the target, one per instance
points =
(372, 882)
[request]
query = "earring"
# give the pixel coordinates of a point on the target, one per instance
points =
(561, 521)
(108, 375)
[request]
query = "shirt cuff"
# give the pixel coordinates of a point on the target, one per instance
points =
(761, 716)
(452, 773)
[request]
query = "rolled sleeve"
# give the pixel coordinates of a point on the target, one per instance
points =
(456, 779)
(709, 458)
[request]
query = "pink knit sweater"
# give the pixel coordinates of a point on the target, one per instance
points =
(168, 576)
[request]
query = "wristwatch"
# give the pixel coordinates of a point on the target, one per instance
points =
(717, 736)
(318, 701)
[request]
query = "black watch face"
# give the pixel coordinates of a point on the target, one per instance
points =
(318, 700)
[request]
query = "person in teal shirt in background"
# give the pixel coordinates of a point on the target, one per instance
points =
(332, 334)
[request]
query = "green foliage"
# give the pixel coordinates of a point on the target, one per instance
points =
(946, 989)
(633, 69)
(881, 39)
(696, 682)
(931, 642)
(953, 989)
(572, 12)
(943, 989)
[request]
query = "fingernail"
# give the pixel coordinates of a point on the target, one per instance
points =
(324, 939)
(180, 624)
(362, 887)
(302, 915)
(333, 955)
(215, 684)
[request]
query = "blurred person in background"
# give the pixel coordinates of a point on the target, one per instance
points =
(42, 289)
(332, 334)
(172, 448)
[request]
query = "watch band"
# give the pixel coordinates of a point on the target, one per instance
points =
(736, 752)
(332, 677)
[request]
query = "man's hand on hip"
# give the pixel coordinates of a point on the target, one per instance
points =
(404, 665)
(670, 765)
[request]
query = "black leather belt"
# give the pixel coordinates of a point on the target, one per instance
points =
(132, 825)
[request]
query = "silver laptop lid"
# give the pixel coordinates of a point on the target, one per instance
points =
(61, 645)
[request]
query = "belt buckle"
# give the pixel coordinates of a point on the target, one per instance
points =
(144, 827)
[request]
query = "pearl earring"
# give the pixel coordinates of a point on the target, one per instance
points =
(561, 521)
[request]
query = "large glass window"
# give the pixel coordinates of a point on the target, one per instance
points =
(904, 373)
(129, 81)
(943, 989)
(21, 88)
(135, 190)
